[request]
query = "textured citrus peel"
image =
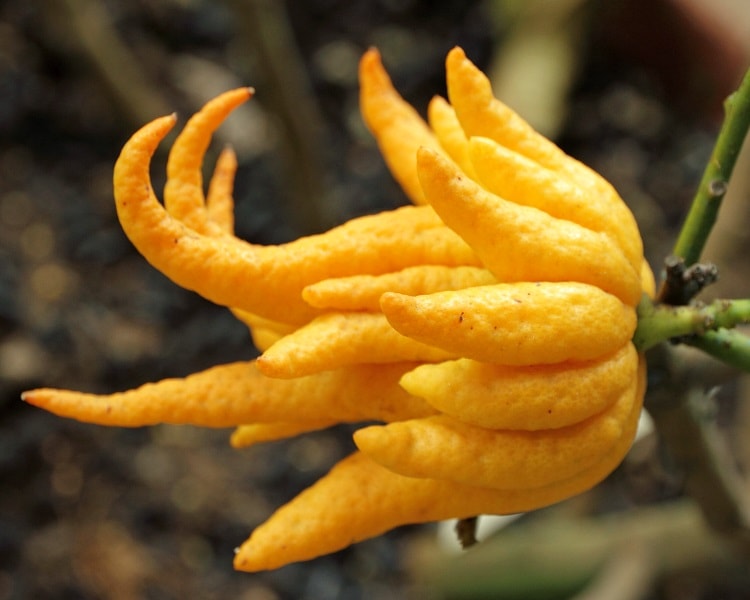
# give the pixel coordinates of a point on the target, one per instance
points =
(336, 339)
(516, 323)
(442, 447)
(373, 500)
(219, 199)
(519, 179)
(523, 243)
(523, 398)
(363, 292)
(444, 122)
(258, 433)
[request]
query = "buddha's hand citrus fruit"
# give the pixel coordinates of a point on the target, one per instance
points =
(488, 328)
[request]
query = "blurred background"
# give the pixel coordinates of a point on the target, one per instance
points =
(632, 87)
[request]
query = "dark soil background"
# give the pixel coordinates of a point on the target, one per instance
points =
(88, 512)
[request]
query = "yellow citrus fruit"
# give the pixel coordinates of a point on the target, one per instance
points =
(219, 200)
(258, 433)
(267, 280)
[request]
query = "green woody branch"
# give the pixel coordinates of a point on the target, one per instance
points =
(713, 185)
(659, 323)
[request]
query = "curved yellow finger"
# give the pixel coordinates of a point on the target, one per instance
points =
(481, 114)
(442, 447)
(219, 199)
(397, 127)
(523, 398)
(183, 191)
(522, 243)
(238, 393)
(516, 323)
(363, 292)
(259, 433)
(375, 500)
(514, 177)
(443, 121)
(268, 280)
(335, 340)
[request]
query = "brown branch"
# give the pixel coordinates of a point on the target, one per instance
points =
(118, 68)
(285, 90)
(681, 414)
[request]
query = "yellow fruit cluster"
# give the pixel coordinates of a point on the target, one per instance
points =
(487, 327)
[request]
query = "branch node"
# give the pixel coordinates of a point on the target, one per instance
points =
(717, 188)
(682, 284)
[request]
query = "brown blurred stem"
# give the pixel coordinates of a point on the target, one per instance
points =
(681, 413)
(285, 90)
(118, 68)
(715, 181)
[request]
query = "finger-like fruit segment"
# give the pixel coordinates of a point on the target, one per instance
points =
(268, 280)
(481, 114)
(338, 339)
(514, 177)
(258, 433)
(362, 292)
(522, 243)
(516, 323)
(238, 393)
(443, 121)
(396, 125)
(183, 191)
(445, 448)
(219, 199)
(374, 500)
(530, 398)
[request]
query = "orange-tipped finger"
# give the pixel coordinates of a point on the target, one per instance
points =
(363, 292)
(183, 192)
(481, 114)
(258, 433)
(445, 448)
(443, 121)
(523, 243)
(527, 398)
(219, 199)
(374, 500)
(237, 393)
(335, 340)
(397, 127)
(268, 280)
(514, 177)
(516, 323)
